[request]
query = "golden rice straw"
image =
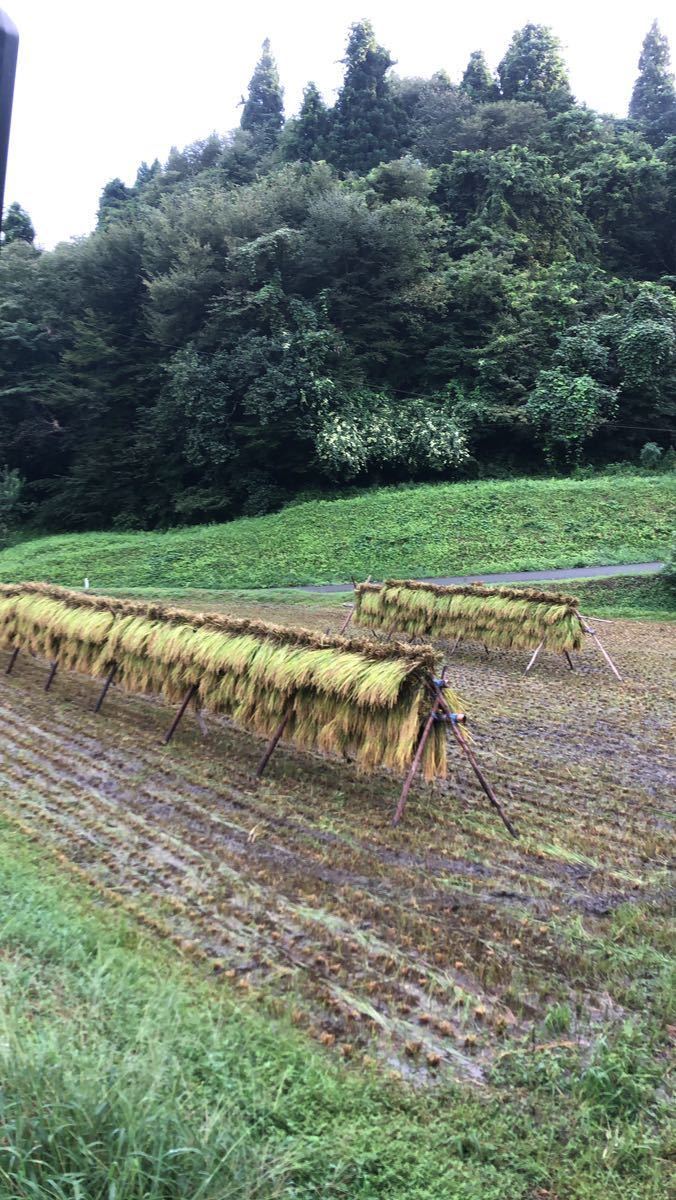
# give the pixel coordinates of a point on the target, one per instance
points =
(345, 696)
(497, 616)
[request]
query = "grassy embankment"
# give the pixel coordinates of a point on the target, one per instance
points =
(430, 530)
(127, 1073)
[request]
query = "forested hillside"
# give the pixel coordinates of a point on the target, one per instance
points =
(429, 279)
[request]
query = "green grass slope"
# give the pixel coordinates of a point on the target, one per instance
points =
(439, 529)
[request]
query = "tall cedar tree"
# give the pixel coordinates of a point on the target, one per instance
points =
(477, 82)
(368, 120)
(113, 203)
(263, 111)
(653, 100)
(17, 225)
(305, 138)
(533, 69)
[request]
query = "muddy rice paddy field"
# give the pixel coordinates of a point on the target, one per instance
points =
(436, 946)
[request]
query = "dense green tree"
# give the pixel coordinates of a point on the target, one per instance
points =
(305, 136)
(11, 487)
(420, 271)
(477, 81)
(114, 203)
(577, 136)
(35, 310)
(498, 125)
(513, 200)
(626, 193)
(263, 109)
(367, 121)
(653, 100)
(438, 117)
(403, 179)
(145, 173)
(373, 430)
(17, 225)
(567, 411)
(533, 69)
(632, 351)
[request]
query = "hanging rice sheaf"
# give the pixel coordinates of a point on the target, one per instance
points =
(342, 695)
(497, 616)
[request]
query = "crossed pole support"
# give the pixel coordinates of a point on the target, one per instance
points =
(592, 633)
(441, 711)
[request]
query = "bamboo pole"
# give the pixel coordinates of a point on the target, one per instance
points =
(347, 620)
(469, 753)
(604, 652)
(570, 661)
(176, 721)
(104, 690)
(416, 763)
(460, 739)
(535, 654)
(269, 751)
(52, 672)
(12, 659)
(351, 613)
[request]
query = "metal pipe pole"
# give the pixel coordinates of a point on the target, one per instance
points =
(9, 48)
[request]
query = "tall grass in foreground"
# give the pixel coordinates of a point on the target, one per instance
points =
(126, 1076)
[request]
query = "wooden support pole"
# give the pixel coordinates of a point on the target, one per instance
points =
(460, 739)
(12, 659)
(416, 763)
(104, 690)
(604, 652)
(569, 659)
(273, 742)
(52, 672)
(469, 753)
(535, 654)
(347, 620)
(351, 613)
(176, 721)
(201, 722)
(456, 644)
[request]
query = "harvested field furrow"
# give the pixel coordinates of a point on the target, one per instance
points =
(430, 943)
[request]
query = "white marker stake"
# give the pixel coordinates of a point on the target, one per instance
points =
(86, 584)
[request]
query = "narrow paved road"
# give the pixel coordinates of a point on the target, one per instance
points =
(516, 576)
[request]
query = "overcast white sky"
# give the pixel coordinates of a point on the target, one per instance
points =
(103, 84)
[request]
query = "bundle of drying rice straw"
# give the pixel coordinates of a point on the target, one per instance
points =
(345, 695)
(497, 616)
